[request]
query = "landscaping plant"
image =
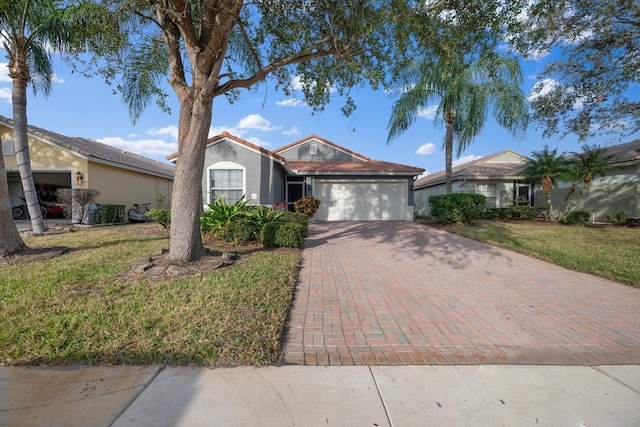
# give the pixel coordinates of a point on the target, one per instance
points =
(457, 208)
(161, 216)
(307, 205)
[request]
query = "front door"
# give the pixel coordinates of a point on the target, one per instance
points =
(295, 191)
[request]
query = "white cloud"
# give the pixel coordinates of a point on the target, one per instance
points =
(296, 84)
(4, 72)
(542, 88)
(258, 141)
(293, 131)
(428, 148)
(428, 113)
(56, 79)
(167, 130)
(5, 93)
(465, 159)
(425, 173)
(291, 102)
(256, 121)
(546, 86)
(221, 129)
(145, 147)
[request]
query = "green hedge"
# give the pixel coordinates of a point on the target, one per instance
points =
(513, 212)
(575, 218)
(109, 214)
(457, 208)
(297, 218)
(282, 234)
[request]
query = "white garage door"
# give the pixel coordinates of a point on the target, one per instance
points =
(361, 200)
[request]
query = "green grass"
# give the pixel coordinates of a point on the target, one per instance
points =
(74, 309)
(609, 252)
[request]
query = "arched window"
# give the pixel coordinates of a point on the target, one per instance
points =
(226, 179)
(313, 149)
(7, 147)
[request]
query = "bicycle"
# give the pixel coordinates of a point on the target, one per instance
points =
(137, 214)
(19, 211)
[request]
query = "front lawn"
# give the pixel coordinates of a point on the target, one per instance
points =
(81, 308)
(609, 252)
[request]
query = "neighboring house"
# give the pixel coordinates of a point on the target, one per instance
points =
(349, 185)
(59, 161)
(617, 191)
(495, 176)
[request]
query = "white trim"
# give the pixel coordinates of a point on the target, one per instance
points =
(337, 148)
(8, 142)
(216, 141)
(225, 165)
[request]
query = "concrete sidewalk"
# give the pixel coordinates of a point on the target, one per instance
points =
(312, 396)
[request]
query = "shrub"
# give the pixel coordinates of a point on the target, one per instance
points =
(237, 233)
(109, 214)
(261, 215)
(296, 218)
(82, 198)
(161, 216)
(618, 218)
(221, 214)
(457, 208)
(307, 205)
(289, 235)
(268, 234)
(512, 212)
(575, 218)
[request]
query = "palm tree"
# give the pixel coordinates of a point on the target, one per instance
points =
(466, 91)
(595, 161)
(574, 174)
(29, 30)
(591, 162)
(542, 167)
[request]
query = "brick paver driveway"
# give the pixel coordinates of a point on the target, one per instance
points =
(381, 293)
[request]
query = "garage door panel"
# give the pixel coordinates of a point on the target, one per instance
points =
(361, 201)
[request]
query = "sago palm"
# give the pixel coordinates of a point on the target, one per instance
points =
(466, 92)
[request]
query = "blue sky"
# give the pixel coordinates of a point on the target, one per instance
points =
(90, 109)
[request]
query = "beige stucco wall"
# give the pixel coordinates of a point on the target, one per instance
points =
(45, 156)
(125, 187)
(618, 191)
(116, 185)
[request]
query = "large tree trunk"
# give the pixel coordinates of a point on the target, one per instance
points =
(10, 240)
(21, 143)
(448, 149)
(195, 120)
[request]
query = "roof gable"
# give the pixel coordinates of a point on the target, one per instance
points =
(503, 165)
(324, 150)
(99, 152)
(226, 136)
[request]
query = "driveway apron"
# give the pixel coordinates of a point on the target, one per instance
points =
(401, 293)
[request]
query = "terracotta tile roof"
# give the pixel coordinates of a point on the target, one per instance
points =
(100, 152)
(477, 169)
(371, 166)
(314, 136)
(241, 141)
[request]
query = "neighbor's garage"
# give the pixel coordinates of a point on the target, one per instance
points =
(363, 200)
